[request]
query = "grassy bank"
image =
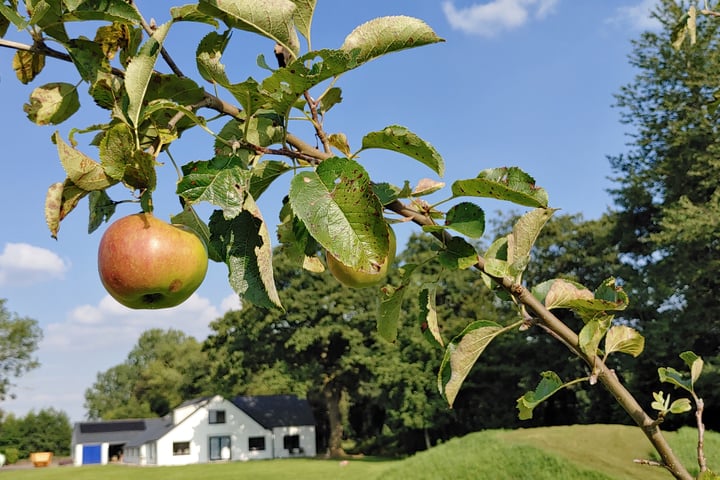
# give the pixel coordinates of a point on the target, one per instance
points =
(590, 452)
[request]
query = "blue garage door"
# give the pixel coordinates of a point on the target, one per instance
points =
(91, 454)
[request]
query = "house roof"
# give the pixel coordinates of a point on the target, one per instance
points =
(111, 431)
(272, 411)
(156, 428)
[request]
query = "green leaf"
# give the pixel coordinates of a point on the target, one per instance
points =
(661, 403)
(283, 88)
(82, 171)
(296, 240)
(140, 173)
(329, 99)
(428, 315)
(672, 376)
(189, 218)
(102, 208)
(592, 333)
(88, 57)
(560, 293)
(116, 147)
(496, 258)
(340, 210)
(680, 405)
(107, 10)
(384, 35)
(191, 13)
(47, 16)
(621, 338)
(458, 254)
(694, 363)
(270, 18)
(222, 181)
(4, 22)
(12, 16)
(303, 16)
(461, 354)
(243, 243)
(548, 386)
(139, 72)
(525, 233)
(52, 103)
(264, 173)
(507, 183)
(466, 218)
(400, 139)
(389, 312)
(208, 54)
(249, 96)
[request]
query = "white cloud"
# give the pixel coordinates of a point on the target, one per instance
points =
(491, 18)
(23, 264)
(110, 325)
(636, 16)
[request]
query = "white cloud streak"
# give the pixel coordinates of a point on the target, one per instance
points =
(110, 325)
(636, 16)
(22, 264)
(492, 18)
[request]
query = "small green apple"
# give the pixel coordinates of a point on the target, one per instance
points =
(147, 263)
(359, 279)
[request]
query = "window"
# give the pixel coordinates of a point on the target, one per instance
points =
(256, 443)
(220, 448)
(181, 448)
(217, 416)
(291, 443)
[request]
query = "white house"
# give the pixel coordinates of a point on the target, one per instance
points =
(202, 430)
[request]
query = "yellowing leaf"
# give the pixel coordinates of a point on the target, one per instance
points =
(384, 35)
(82, 171)
(27, 65)
(52, 103)
(622, 338)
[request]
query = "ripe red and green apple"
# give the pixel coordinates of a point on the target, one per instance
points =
(146, 263)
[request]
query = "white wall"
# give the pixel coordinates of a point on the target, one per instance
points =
(197, 430)
(307, 441)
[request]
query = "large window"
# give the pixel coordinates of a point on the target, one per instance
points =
(181, 448)
(256, 443)
(217, 416)
(220, 448)
(291, 443)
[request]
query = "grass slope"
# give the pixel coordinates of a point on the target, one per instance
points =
(579, 452)
(590, 452)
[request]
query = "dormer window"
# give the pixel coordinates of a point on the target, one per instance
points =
(217, 416)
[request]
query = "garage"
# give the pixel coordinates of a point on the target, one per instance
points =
(91, 454)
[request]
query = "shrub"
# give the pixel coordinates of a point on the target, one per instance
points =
(11, 455)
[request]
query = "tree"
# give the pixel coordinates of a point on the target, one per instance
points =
(48, 430)
(331, 203)
(323, 346)
(668, 195)
(165, 368)
(19, 337)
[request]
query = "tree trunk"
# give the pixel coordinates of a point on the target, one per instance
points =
(332, 394)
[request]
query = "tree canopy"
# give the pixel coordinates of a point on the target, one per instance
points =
(19, 338)
(165, 368)
(668, 195)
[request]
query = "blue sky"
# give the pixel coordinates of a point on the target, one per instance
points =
(525, 83)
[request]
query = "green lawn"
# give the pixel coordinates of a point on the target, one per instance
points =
(590, 452)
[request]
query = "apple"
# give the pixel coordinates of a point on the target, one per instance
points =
(360, 279)
(147, 263)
